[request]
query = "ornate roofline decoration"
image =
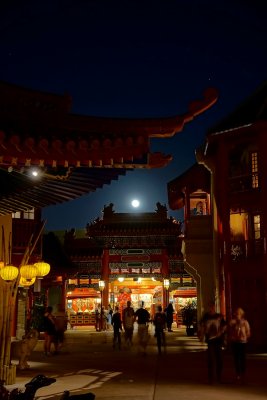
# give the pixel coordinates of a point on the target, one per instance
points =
(74, 154)
(37, 128)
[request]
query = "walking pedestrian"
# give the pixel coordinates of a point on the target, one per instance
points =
(97, 318)
(49, 331)
(109, 317)
(212, 330)
(160, 326)
(128, 323)
(117, 328)
(169, 310)
(238, 335)
(142, 316)
(60, 326)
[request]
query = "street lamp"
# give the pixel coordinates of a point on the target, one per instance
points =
(166, 285)
(101, 285)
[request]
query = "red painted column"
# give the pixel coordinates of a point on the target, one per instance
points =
(165, 275)
(63, 294)
(263, 214)
(105, 276)
(221, 197)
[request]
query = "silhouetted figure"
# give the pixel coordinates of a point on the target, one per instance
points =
(169, 310)
(49, 331)
(117, 328)
(160, 325)
(238, 335)
(142, 316)
(212, 330)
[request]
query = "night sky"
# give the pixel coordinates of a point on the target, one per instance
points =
(135, 59)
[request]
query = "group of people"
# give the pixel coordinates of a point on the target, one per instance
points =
(127, 323)
(142, 317)
(103, 318)
(215, 331)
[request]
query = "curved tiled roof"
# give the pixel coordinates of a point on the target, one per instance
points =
(75, 154)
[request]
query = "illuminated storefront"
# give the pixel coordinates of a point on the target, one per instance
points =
(136, 256)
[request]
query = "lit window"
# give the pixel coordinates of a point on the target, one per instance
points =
(257, 226)
(28, 214)
(16, 215)
(254, 170)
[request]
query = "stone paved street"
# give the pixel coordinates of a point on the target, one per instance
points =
(88, 362)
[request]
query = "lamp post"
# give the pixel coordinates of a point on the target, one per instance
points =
(166, 285)
(101, 285)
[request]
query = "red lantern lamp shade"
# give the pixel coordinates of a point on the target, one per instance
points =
(43, 269)
(28, 271)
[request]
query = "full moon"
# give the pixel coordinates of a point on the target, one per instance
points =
(135, 203)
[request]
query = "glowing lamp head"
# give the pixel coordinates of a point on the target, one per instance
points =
(9, 273)
(101, 285)
(43, 269)
(166, 283)
(28, 271)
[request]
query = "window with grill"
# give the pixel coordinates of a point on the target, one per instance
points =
(254, 170)
(257, 226)
(28, 214)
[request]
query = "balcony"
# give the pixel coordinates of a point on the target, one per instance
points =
(199, 227)
(244, 249)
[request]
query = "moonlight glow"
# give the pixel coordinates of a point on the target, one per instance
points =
(135, 203)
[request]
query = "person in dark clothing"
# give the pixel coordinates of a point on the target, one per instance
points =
(97, 318)
(117, 327)
(142, 316)
(169, 316)
(49, 331)
(160, 325)
(212, 330)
